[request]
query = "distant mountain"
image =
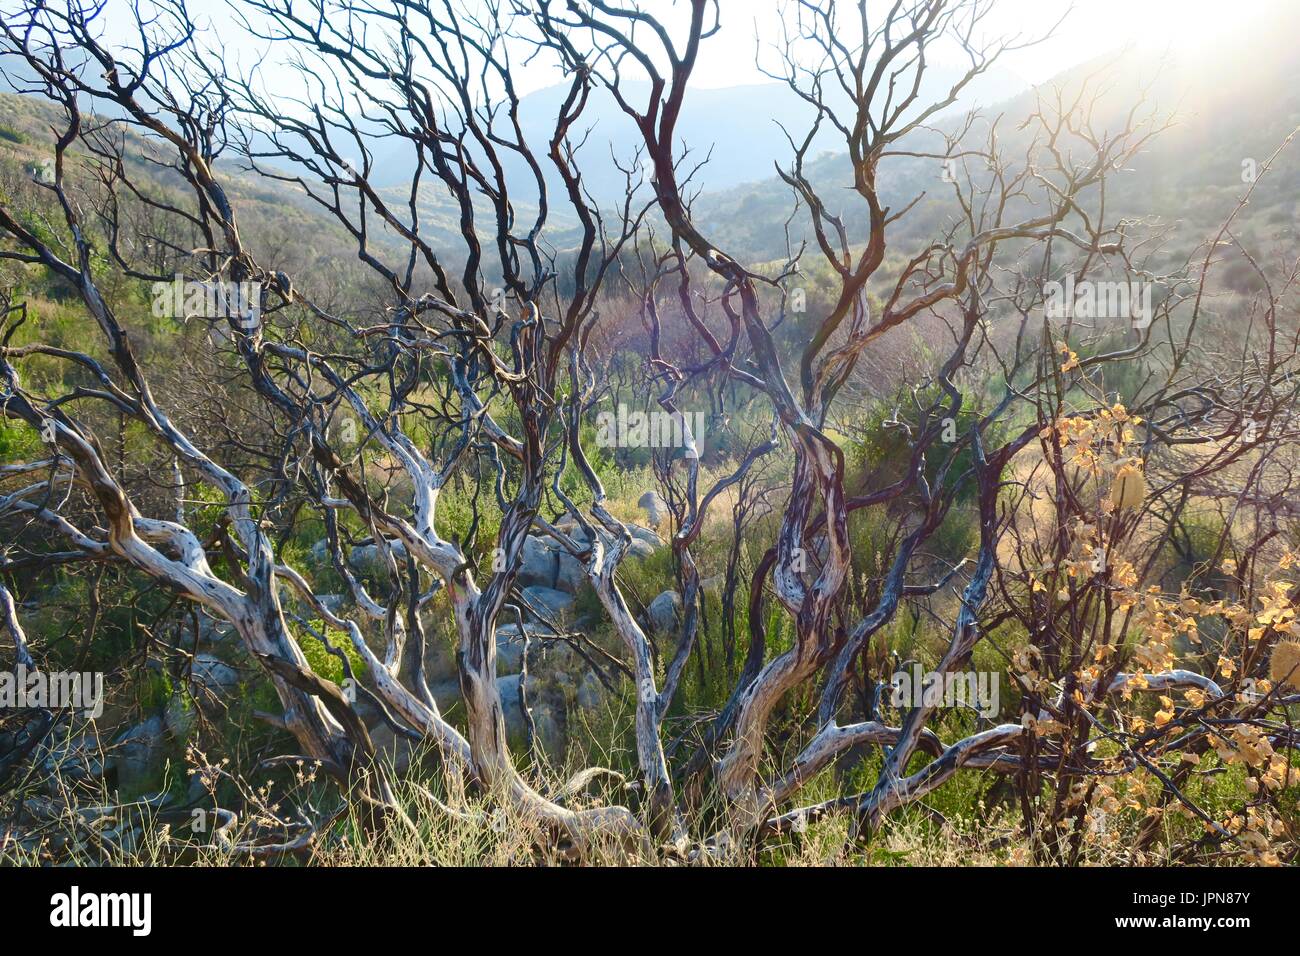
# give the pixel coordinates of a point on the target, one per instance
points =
(738, 128)
(1231, 106)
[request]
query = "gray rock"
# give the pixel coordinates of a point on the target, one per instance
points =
(125, 838)
(212, 683)
(547, 715)
(536, 563)
(569, 526)
(548, 601)
(510, 650)
(559, 663)
(508, 688)
(196, 791)
(656, 508)
(570, 575)
(550, 685)
(365, 559)
(549, 724)
(138, 756)
(212, 632)
(214, 674)
(545, 564)
(180, 716)
(646, 536)
(218, 632)
(368, 710)
(591, 692)
(638, 548)
(644, 542)
(75, 757)
(332, 602)
(439, 660)
(394, 751)
(510, 630)
(447, 694)
(663, 612)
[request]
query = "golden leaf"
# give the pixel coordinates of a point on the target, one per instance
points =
(1129, 488)
(1284, 668)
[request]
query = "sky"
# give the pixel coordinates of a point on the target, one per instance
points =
(1091, 28)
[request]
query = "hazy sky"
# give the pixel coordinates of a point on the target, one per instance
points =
(1091, 28)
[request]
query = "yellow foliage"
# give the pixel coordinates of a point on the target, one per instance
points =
(1284, 668)
(1129, 488)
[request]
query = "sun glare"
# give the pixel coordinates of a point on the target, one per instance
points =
(1183, 27)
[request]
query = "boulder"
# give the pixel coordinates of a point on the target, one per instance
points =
(368, 710)
(646, 537)
(590, 693)
(656, 509)
(332, 602)
(212, 633)
(213, 674)
(446, 694)
(365, 559)
(138, 756)
(212, 683)
(180, 716)
(74, 757)
(536, 563)
(394, 750)
(547, 713)
(439, 660)
(644, 541)
(663, 612)
(126, 838)
(319, 555)
(570, 575)
(548, 721)
(548, 601)
(544, 563)
(510, 649)
(508, 688)
(638, 548)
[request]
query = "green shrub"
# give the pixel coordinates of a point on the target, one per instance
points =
(325, 664)
(17, 442)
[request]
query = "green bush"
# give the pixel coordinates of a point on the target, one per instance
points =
(17, 442)
(325, 664)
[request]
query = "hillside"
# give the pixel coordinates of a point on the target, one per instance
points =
(1189, 177)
